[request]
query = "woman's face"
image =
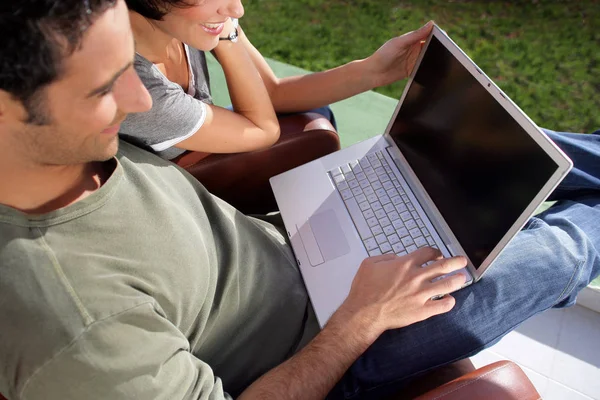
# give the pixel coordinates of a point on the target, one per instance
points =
(201, 23)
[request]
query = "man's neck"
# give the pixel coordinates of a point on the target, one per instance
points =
(42, 189)
(151, 42)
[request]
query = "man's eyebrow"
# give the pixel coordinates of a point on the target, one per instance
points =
(110, 83)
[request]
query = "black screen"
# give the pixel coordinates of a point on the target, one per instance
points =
(477, 164)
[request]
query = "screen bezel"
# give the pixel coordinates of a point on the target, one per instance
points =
(563, 163)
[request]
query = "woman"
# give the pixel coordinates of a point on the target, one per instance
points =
(171, 36)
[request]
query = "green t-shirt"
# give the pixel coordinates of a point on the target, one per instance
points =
(150, 288)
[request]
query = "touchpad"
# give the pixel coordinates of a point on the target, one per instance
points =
(325, 236)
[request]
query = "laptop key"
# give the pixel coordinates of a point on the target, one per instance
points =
(385, 222)
(357, 190)
(364, 205)
(346, 194)
(372, 222)
(346, 168)
(380, 213)
(389, 230)
(420, 241)
(393, 215)
(389, 208)
(430, 240)
(397, 200)
(371, 244)
(381, 238)
(415, 232)
(361, 176)
(368, 213)
(376, 230)
(381, 192)
(360, 198)
(410, 224)
(388, 185)
(411, 248)
(369, 191)
(375, 252)
(336, 171)
(421, 224)
(376, 205)
(384, 200)
(402, 232)
(364, 163)
(359, 220)
(407, 241)
(393, 239)
(398, 247)
(385, 247)
(376, 185)
(398, 224)
(401, 208)
(372, 198)
(364, 184)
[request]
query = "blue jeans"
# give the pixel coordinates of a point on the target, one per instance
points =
(545, 265)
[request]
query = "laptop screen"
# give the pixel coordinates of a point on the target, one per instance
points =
(480, 167)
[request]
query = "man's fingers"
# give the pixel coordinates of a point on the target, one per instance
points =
(446, 285)
(383, 257)
(424, 255)
(445, 266)
(440, 306)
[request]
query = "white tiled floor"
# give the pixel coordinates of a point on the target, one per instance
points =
(559, 350)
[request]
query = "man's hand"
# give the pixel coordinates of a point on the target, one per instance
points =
(396, 59)
(392, 292)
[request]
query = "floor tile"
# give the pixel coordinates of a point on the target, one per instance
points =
(577, 362)
(487, 357)
(557, 391)
(533, 343)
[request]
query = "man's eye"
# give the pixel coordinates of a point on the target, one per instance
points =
(105, 92)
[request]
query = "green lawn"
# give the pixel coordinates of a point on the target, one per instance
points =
(544, 54)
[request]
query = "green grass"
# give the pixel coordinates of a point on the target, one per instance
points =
(544, 54)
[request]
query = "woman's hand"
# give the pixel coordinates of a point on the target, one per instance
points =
(396, 59)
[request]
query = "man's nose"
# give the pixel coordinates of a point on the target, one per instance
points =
(130, 93)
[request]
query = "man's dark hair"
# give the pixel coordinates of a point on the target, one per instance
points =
(155, 9)
(35, 38)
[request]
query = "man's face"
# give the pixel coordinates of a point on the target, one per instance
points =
(86, 105)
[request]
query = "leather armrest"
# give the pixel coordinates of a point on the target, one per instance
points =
(243, 179)
(499, 381)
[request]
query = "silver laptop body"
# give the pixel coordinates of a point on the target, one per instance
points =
(460, 168)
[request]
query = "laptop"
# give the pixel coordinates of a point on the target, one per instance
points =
(460, 168)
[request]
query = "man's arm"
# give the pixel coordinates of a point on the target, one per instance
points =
(388, 292)
(392, 62)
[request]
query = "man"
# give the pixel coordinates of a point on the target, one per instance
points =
(121, 277)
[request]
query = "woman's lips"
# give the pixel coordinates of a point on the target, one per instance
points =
(213, 29)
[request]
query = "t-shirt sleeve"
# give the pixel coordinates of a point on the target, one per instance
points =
(174, 116)
(136, 354)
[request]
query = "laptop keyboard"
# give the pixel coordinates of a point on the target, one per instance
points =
(384, 215)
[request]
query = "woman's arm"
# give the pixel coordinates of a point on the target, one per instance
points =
(254, 124)
(392, 62)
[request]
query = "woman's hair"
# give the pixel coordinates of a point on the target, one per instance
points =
(155, 9)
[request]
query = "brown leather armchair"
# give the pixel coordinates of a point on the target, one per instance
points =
(503, 380)
(243, 179)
